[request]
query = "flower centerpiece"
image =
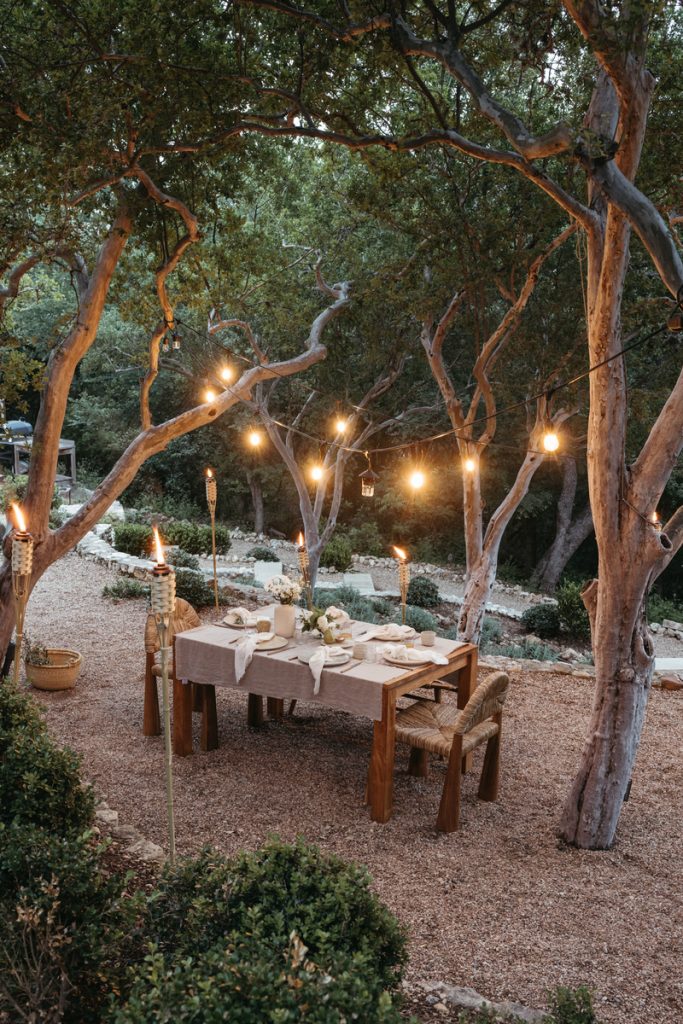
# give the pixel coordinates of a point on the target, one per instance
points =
(328, 623)
(286, 592)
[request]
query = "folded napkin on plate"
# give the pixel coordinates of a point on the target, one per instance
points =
(403, 653)
(244, 652)
(392, 631)
(240, 617)
(322, 656)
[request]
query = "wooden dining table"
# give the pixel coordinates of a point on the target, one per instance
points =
(369, 688)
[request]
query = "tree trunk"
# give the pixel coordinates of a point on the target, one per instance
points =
(569, 533)
(480, 580)
(256, 500)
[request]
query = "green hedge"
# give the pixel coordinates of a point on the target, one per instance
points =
(39, 782)
(423, 592)
(194, 538)
(337, 554)
(263, 554)
(543, 620)
(232, 933)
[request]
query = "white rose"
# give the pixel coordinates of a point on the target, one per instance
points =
(323, 623)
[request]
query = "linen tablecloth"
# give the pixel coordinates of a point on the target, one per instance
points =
(207, 655)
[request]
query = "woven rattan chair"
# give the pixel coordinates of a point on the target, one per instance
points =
(204, 697)
(443, 729)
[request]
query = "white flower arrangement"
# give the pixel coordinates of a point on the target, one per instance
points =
(286, 591)
(328, 623)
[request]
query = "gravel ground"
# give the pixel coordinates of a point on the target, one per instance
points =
(499, 906)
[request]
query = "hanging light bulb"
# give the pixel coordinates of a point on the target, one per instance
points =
(209, 395)
(417, 479)
(469, 465)
(341, 425)
(254, 438)
(227, 374)
(551, 441)
(317, 473)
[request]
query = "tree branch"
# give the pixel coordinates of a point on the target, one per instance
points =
(658, 456)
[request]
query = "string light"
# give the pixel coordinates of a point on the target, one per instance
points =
(227, 374)
(254, 438)
(469, 465)
(209, 395)
(317, 473)
(417, 479)
(551, 441)
(341, 425)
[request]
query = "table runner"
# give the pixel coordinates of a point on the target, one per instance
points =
(207, 655)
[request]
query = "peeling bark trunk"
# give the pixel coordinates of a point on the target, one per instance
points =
(570, 533)
(256, 500)
(480, 580)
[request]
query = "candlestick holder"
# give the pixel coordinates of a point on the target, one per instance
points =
(403, 581)
(211, 498)
(22, 564)
(163, 608)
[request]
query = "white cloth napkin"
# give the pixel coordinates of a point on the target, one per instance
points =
(239, 617)
(392, 631)
(244, 652)
(322, 656)
(408, 654)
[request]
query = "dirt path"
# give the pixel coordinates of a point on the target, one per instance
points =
(498, 906)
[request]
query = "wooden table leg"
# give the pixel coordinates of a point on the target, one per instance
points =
(182, 718)
(254, 710)
(209, 730)
(467, 684)
(381, 776)
(276, 707)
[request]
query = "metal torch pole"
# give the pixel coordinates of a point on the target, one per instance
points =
(164, 628)
(211, 498)
(20, 591)
(403, 578)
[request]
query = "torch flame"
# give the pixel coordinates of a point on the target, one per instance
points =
(209, 474)
(400, 553)
(19, 517)
(158, 548)
(300, 540)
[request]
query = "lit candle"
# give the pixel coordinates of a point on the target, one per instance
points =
(22, 545)
(403, 578)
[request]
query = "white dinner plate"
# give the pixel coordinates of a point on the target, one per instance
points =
(340, 658)
(404, 663)
(238, 625)
(274, 644)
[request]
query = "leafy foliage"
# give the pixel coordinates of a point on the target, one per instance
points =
(180, 559)
(193, 538)
(39, 782)
(337, 554)
(418, 618)
(423, 592)
(125, 588)
(572, 611)
(133, 539)
(263, 554)
(543, 620)
(192, 587)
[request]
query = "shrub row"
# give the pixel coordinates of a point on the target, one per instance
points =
(195, 538)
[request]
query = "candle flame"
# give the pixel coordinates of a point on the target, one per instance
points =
(19, 517)
(158, 548)
(400, 553)
(300, 540)
(209, 474)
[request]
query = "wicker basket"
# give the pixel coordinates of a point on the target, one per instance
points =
(60, 674)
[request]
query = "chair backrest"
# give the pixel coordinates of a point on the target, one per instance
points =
(486, 701)
(185, 618)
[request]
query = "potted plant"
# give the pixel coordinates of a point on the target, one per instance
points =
(286, 591)
(50, 668)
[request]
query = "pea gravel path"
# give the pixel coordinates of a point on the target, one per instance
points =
(499, 906)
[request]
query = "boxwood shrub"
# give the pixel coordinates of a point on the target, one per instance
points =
(39, 782)
(543, 620)
(337, 554)
(192, 587)
(423, 592)
(263, 554)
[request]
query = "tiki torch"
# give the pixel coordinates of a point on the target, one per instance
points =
(163, 608)
(211, 496)
(305, 570)
(22, 563)
(403, 579)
